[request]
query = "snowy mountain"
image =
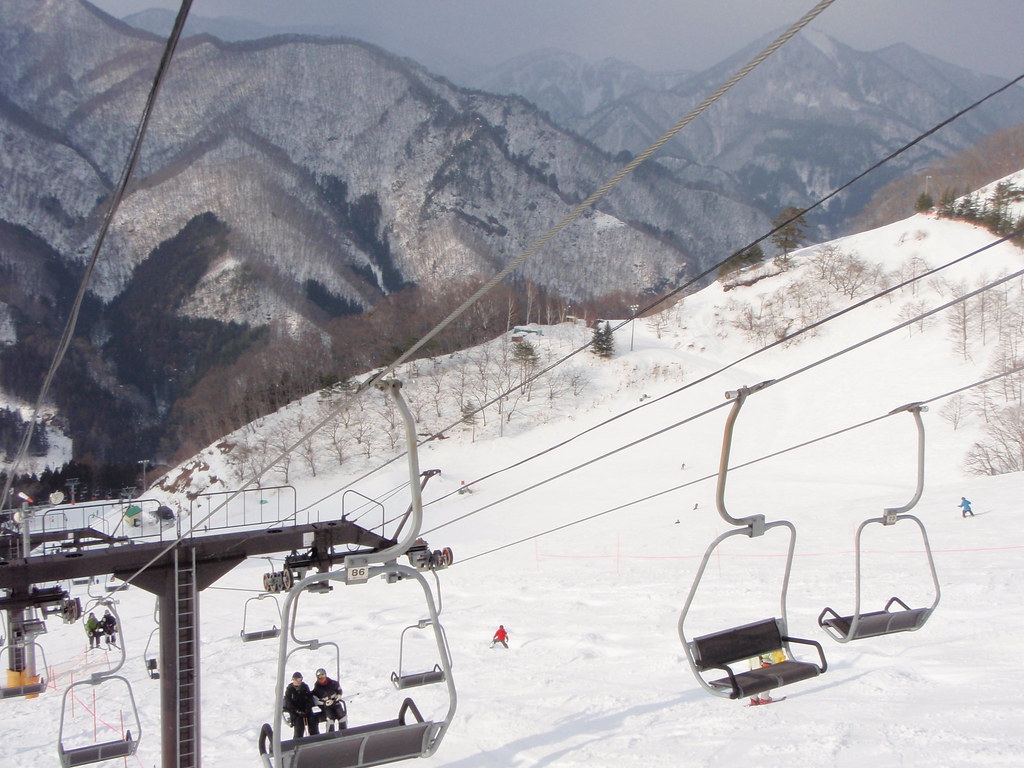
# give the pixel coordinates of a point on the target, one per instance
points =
(809, 119)
(593, 500)
(753, 308)
(285, 184)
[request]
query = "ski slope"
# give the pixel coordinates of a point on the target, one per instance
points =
(595, 674)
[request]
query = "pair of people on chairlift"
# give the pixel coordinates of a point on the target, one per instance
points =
(300, 699)
(97, 629)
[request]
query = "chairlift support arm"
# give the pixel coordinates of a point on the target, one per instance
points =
(914, 409)
(755, 522)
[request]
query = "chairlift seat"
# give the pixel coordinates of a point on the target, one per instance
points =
(875, 623)
(364, 745)
(431, 676)
(721, 649)
(260, 634)
(94, 753)
(28, 689)
(152, 670)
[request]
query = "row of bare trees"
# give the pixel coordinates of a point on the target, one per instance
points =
(989, 325)
(289, 364)
(481, 388)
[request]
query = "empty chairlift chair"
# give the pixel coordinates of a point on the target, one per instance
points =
(29, 684)
(267, 633)
(403, 679)
(721, 651)
(896, 615)
(152, 665)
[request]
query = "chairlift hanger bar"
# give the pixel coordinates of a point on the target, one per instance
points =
(739, 396)
(914, 409)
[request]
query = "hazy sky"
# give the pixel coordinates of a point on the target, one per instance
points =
(984, 35)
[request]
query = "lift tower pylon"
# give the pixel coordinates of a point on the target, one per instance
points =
(176, 575)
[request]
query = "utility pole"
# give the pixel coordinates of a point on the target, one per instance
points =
(633, 308)
(144, 463)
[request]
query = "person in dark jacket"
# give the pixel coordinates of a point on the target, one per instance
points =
(327, 693)
(109, 624)
(298, 706)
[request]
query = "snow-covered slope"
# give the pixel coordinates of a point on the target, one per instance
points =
(596, 674)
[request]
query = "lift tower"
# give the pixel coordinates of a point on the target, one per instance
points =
(176, 575)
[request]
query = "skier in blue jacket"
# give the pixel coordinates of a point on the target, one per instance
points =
(965, 507)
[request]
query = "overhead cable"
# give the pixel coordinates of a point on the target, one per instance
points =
(705, 478)
(772, 383)
(115, 202)
(574, 214)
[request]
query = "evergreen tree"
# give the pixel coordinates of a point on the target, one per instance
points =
(603, 342)
(790, 233)
(740, 259)
(924, 203)
(525, 354)
(947, 205)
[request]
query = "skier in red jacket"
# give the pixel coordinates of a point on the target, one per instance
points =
(501, 636)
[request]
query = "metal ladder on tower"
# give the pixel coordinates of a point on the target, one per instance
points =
(187, 637)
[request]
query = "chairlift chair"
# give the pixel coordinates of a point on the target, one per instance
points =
(31, 687)
(152, 665)
(887, 621)
(125, 746)
(720, 651)
(251, 635)
(408, 735)
(403, 679)
(101, 750)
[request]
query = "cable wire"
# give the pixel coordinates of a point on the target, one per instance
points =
(771, 383)
(115, 202)
(706, 273)
(751, 462)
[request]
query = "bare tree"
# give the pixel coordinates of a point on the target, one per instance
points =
(959, 320)
(1002, 450)
(953, 410)
(658, 322)
(911, 310)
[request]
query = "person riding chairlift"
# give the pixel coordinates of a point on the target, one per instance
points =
(327, 693)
